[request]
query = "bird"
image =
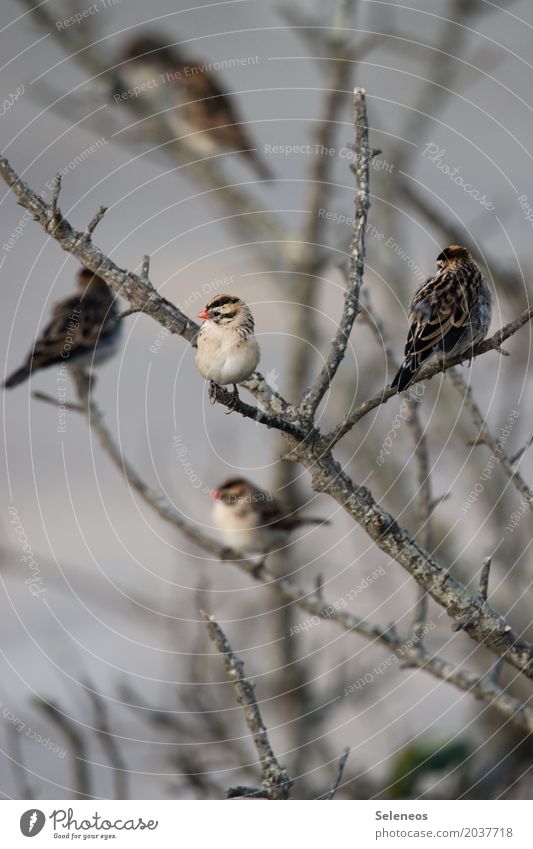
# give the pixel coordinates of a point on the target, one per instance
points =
(186, 97)
(250, 520)
(449, 314)
(84, 331)
(227, 351)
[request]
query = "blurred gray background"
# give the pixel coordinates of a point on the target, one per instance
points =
(122, 592)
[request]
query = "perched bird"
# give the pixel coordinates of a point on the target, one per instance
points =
(449, 314)
(84, 331)
(251, 520)
(186, 97)
(227, 351)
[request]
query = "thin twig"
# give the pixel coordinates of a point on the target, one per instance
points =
(495, 673)
(515, 457)
(488, 626)
(304, 329)
(102, 726)
(240, 792)
(126, 313)
(261, 226)
(425, 502)
(21, 773)
(361, 168)
(48, 399)
(274, 779)
(484, 579)
(140, 293)
(427, 372)
(82, 785)
(145, 269)
(93, 223)
(486, 438)
(224, 396)
(516, 651)
(340, 771)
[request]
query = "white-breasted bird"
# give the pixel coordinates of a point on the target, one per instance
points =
(227, 351)
(251, 520)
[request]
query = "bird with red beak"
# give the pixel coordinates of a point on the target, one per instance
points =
(227, 351)
(251, 520)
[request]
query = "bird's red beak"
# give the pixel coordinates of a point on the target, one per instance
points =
(214, 494)
(204, 314)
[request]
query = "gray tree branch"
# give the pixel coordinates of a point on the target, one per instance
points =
(275, 782)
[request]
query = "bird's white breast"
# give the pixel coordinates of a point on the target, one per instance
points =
(243, 531)
(223, 356)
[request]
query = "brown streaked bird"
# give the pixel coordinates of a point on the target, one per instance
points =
(84, 331)
(186, 97)
(227, 351)
(251, 520)
(449, 314)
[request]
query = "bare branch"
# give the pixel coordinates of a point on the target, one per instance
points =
(486, 437)
(56, 189)
(486, 625)
(240, 792)
(48, 399)
(126, 313)
(274, 779)
(224, 396)
(427, 372)
(340, 771)
(490, 628)
(102, 726)
(156, 500)
(82, 787)
(363, 155)
(93, 223)
(145, 270)
(20, 772)
(515, 457)
(425, 502)
(138, 291)
(484, 578)
(261, 226)
(495, 672)
(414, 654)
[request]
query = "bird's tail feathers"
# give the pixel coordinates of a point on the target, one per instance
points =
(405, 374)
(17, 377)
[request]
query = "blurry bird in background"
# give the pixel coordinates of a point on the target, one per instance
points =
(251, 520)
(84, 331)
(186, 98)
(227, 351)
(449, 314)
